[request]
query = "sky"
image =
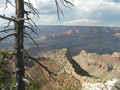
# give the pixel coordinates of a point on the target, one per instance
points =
(84, 13)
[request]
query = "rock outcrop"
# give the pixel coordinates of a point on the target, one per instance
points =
(116, 54)
(116, 85)
(104, 66)
(61, 64)
(70, 75)
(100, 85)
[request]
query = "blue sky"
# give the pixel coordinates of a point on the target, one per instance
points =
(85, 12)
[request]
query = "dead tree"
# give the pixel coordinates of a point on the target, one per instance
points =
(21, 17)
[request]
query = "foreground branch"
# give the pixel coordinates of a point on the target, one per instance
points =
(34, 42)
(6, 30)
(7, 18)
(13, 34)
(32, 29)
(14, 87)
(7, 1)
(68, 2)
(33, 10)
(59, 8)
(10, 58)
(37, 61)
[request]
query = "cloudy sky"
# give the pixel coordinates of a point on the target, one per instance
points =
(85, 12)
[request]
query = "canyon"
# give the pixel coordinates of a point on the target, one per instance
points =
(93, 39)
(83, 57)
(72, 73)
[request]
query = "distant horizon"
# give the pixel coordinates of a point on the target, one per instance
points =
(69, 25)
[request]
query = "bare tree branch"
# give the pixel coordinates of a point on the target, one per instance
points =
(32, 22)
(14, 86)
(13, 34)
(68, 2)
(8, 24)
(7, 1)
(11, 56)
(59, 9)
(33, 10)
(32, 29)
(6, 30)
(37, 61)
(27, 82)
(28, 76)
(29, 24)
(16, 70)
(27, 12)
(34, 42)
(27, 56)
(22, 19)
(62, 1)
(7, 18)
(3, 56)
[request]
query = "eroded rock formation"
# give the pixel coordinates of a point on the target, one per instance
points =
(59, 64)
(105, 66)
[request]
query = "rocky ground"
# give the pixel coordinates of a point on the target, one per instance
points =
(70, 74)
(61, 63)
(102, 66)
(98, 84)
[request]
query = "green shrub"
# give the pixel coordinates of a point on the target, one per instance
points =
(33, 86)
(4, 71)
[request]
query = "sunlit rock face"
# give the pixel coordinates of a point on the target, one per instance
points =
(58, 63)
(116, 85)
(62, 64)
(116, 54)
(70, 74)
(103, 66)
(106, 85)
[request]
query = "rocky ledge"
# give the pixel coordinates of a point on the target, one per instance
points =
(103, 66)
(59, 63)
(70, 75)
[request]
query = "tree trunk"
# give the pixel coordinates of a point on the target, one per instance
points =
(19, 47)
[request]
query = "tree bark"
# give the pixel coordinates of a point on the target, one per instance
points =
(19, 47)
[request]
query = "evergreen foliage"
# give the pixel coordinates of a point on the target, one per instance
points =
(4, 72)
(3, 68)
(33, 86)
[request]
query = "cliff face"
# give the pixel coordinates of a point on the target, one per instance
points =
(76, 39)
(93, 39)
(105, 66)
(59, 63)
(70, 75)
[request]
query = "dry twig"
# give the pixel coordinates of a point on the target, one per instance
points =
(13, 34)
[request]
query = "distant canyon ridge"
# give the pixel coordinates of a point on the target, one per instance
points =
(101, 40)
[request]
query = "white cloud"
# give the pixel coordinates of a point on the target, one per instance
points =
(107, 12)
(97, 9)
(81, 22)
(9, 10)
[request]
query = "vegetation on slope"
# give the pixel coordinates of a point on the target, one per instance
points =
(3, 69)
(4, 73)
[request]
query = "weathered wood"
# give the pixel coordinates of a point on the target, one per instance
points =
(13, 34)
(19, 47)
(7, 18)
